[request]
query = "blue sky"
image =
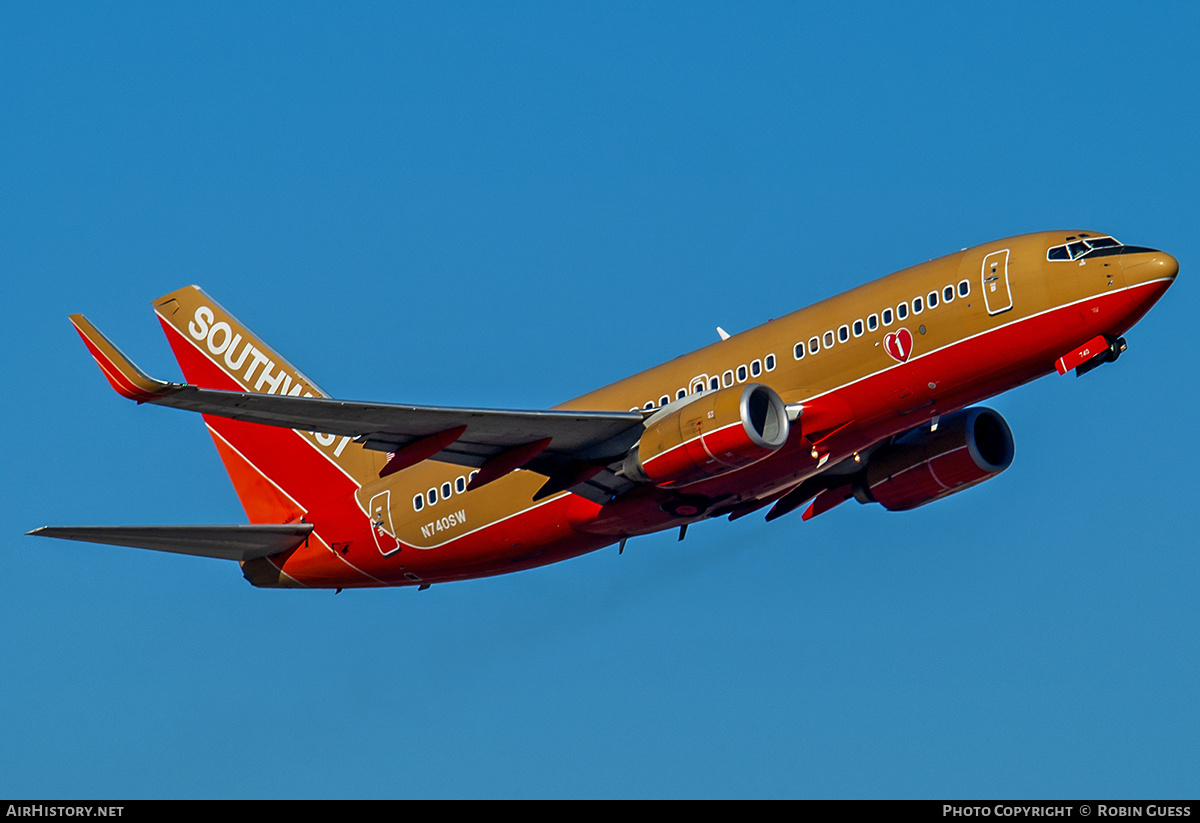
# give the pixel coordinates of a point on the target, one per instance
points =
(508, 205)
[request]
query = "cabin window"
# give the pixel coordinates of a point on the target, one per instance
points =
(698, 387)
(948, 294)
(858, 328)
(873, 322)
(755, 368)
(843, 333)
(727, 378)
(649, 404)
(664, 400)
(814, 345)
(918, 305)
(680, 394)
(714, 382)
(828, 339)
(769, 362)
(932, 299)
(798, 351)
(964, 288)
(431, 496)
(887, 317)
(902, 311)
(418, 502)
(460, 484)
(741, 374)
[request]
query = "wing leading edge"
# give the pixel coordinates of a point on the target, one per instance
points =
(565, 445)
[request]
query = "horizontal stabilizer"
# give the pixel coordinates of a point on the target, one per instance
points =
(238, 542)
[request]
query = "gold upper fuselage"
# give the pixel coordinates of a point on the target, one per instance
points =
(1037, 285)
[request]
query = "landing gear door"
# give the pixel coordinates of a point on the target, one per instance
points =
(380, 512)
(996, 293)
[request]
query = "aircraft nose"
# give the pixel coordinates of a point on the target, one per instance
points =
(1150, 265)
(1168, 264)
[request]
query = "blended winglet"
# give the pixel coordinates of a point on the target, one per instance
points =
(126, 378)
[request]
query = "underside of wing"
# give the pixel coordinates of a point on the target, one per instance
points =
(237, 542)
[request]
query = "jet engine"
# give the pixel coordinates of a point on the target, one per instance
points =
(708, 434)
(965, 449)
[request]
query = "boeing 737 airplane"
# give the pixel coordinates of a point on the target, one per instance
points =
(866, 395)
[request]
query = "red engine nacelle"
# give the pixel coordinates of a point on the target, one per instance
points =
(709, 434)
(967, 448)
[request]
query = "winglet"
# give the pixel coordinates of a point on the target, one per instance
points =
(127, 379)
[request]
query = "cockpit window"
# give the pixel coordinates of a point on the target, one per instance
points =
(1077, 249)
(1082, 246)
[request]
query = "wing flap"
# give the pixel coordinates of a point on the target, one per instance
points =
(236, 542)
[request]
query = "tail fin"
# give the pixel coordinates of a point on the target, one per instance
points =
(279, 474)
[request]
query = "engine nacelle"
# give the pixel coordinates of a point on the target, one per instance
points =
(709, 434)
(967, 448)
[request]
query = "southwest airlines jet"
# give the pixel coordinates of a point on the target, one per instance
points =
(867, 395)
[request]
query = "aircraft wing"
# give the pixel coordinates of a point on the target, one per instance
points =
(567, 445)
(224, 542)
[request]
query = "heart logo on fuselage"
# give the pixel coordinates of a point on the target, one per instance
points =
(899, 344)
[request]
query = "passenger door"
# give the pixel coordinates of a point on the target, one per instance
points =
(996, 292)
(380, 512)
